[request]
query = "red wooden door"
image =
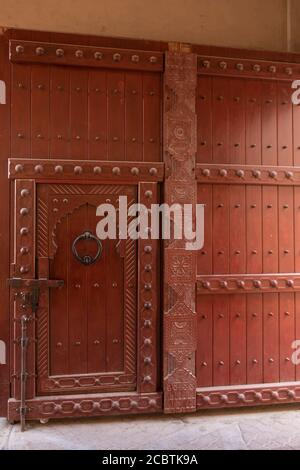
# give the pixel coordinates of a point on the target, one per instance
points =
(248, 268)
(85, 130)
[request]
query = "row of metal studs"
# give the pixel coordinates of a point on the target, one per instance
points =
(241, 284)
(78, 170)
(241, 173)
(240, 67)
(117, 57)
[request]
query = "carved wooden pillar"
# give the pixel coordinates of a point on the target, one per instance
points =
(180, 264)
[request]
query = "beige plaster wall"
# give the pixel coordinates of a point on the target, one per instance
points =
(254, 24)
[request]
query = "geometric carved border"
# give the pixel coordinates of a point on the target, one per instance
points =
(86, 405)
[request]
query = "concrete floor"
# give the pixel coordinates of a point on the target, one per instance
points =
(262, 428)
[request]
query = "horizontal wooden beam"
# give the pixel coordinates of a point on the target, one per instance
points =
(248, 395)
(84, 56)
(248, 283)
(248, 174)
(247, 68)
(84, 170)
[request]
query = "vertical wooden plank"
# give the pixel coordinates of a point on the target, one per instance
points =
(220, 108)
(60, 113)
(204, 195)
(39, 111)
(286, 229)
(254, 339)
(269, 123)
(221, 340)
(237, 251)
(116, 115)
(97, 115)
(254, 301)
(204, 357)
(77, 298)
(287, 336)
(133, 116)
(237, 122)
(204, 119)
(114, 308)
(238, 339)
(96, 307)
(254, 229)
(296, 134)
(253, 122)
(286, 264)
(58, 303)
(4, 224)
(270, 229)
(78, 113)
(152, 117)
(221, 229)
(285, 124)
(297, 266)
(20, 105)
(270, 338)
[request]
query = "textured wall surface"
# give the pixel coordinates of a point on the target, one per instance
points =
(255, 24)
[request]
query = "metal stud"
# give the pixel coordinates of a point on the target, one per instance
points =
(24, 211)
(206, 64)
(289, 174)
(19, 49)
(153, 59)
(24, 192)
(223, 172)
(147, 305)
(135, 58)
(19, 168)
(147, 360)
(256, 68)
(272, 68)
(223, 65)
(38, 168)
(240, 173)
(40, 51)
(147, 323)
(148, 194)
(24, 231)
(98, 55)
(97, 170)
(59, 52)
(288, 70)
(256, 173)
(204, 364)
(116, 170)
(78, 169)
(239, 67)
(58, 169)
(221, 363)
(147, 342)
(117, 57)
(271, 360)
(20, 135)
(153, 171)
(257, 284)
(273, 174)
(148, 268)
(148, 249)
(273, 283)
(24, 269)
(40, 86)
(24, 250)
(254, 361)
(290, 283)
(206, 172)
(79, 54)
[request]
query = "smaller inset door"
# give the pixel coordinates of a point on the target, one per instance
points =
(87, 329)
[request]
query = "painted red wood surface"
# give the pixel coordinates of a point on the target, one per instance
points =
(249, 229)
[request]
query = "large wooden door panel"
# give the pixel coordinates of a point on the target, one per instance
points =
(248, 268)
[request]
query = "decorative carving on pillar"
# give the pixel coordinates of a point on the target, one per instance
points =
(180, 264)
